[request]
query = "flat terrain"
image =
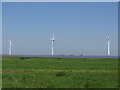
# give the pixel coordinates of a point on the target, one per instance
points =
(28, 72)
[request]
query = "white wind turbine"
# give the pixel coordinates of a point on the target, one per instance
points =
(109, 40)
(52, 40)
(10, 47)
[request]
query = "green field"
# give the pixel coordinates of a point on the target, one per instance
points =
(26, 72)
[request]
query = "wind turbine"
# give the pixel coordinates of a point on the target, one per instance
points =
(52, 41)
(109, 40)
(10, 47)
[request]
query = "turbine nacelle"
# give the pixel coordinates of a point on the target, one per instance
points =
(108, 37)
(52, 39)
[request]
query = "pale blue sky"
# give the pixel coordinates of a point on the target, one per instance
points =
(0, 28)
(79, 28)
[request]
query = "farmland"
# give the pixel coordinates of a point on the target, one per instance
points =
(28, 72)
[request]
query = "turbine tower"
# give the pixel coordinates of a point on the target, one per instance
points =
(109, 40)
(52, 41)
(10, 46)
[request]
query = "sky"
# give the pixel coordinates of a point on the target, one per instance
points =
(79, 27)
(0, 28)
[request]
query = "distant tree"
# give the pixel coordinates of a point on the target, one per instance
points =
(71, 55)
(22, 58)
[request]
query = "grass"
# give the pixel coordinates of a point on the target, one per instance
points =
(20, 72)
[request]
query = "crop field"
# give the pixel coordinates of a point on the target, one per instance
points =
(28, 72)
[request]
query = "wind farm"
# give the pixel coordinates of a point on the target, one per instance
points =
(60, 45)
(64, 56)
(90, 71)
(60, 71)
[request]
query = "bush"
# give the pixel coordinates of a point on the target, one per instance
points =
(87, 85)
(59, 74)
(24, 57)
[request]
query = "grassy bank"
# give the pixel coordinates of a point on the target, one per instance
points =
(19, 72)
